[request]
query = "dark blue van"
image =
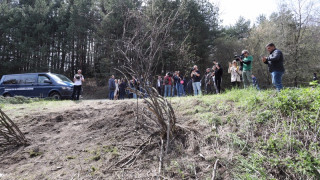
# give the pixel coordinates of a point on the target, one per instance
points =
(40, 85)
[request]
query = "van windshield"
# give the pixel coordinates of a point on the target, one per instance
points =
(59, 77)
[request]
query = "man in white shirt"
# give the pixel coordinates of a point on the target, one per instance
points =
(77, 79)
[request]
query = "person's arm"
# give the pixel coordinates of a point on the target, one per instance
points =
(247, 62)
(82, 78)
(275, 56)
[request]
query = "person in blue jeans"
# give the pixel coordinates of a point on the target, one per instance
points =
(195, 75)
(112, 87)
(275, 65)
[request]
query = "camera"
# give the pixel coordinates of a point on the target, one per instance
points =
(238, 57)
(78, 77)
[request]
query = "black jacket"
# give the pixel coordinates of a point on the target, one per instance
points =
(275, 61)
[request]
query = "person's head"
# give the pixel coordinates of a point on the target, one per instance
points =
(79, 71)
(208, 70)
(245, 53)
(112, 76)
(214, 67)
(270, 47)
(159, 77)
(116, 80)
(195, 67)
(252, 75)
(234, 63)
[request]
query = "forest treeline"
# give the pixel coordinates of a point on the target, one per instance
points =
(62, 36)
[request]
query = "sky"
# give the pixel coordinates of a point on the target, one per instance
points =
(231, 10)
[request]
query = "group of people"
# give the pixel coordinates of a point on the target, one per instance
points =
(176, 84)
(244, 71)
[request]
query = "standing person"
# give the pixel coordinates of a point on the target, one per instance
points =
(195, 75)
(246, 69)
(77, 79)
(208, 81)
(159, 85)
(218, 77)
(167, 85)
(234, 70)
(122, 89)
(275, 65)
(116, 91)
(178, 79)
(112, 87)
(255, 82)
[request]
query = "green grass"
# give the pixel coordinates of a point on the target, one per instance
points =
(277, 133)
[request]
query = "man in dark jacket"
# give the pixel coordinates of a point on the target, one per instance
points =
(275, 64)
(112, 87)
(218, 77)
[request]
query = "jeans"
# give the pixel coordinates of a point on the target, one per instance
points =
(277, 79)
(196, 88)
(111, 94)
(167, 90)
(76, 92)
(179, 89)
(247, 79)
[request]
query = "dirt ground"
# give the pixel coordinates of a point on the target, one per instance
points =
(101, 139)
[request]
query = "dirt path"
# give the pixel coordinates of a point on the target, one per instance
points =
(86, 140)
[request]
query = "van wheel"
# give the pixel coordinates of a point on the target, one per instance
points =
(7, 95)
(55, 95)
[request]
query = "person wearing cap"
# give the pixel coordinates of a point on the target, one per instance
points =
(246, 69)
(235, 72)
(275, 65)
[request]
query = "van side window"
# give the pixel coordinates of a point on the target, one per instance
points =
(29, 79)
(42, 78)
(12, 80)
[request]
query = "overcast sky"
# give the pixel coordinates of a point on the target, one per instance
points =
(231, 10)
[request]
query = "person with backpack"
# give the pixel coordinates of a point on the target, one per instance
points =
(167, 85)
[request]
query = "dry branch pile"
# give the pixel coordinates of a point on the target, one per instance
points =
(10, 134)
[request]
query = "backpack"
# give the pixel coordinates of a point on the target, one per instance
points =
(166, 80)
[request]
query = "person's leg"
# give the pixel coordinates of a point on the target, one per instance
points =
(277, 79)
(249, 73)
(245, 79)
(169, 90)
(199, 88)
(77, 93)
(218, 85)
(194, 88)
(74, 93)
(165, 91)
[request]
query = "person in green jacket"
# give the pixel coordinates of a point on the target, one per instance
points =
(247, 67)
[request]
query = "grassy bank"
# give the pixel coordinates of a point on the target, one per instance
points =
(268, 135)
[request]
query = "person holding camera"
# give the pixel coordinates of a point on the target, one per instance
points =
(275, 65)
(246, 68)
(235, 72)
(208, 81)
(77, 80)
(195, 75)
